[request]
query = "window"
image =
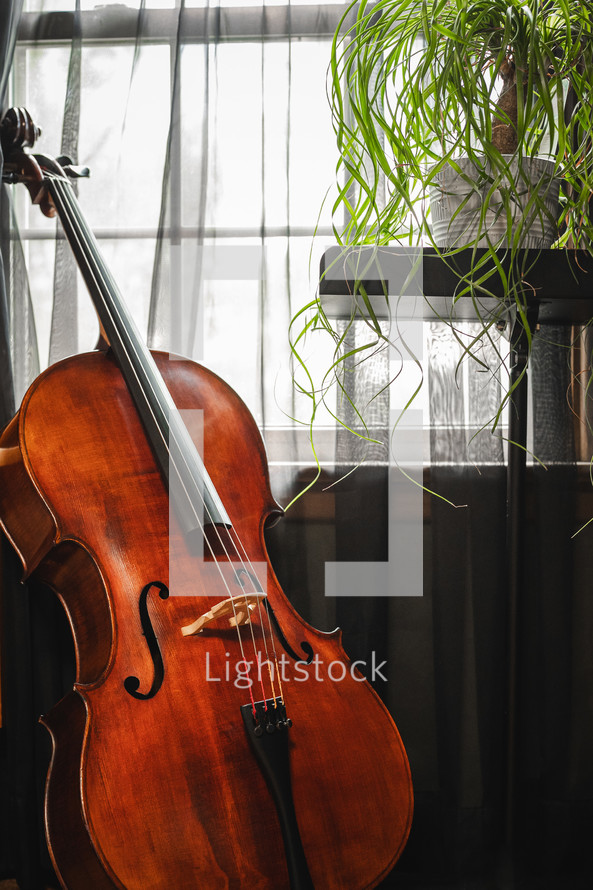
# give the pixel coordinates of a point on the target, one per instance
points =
(251, 153)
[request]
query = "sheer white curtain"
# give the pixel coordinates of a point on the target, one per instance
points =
(208, 135)
(209, 140)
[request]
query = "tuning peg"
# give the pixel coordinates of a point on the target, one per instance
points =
(74, 171)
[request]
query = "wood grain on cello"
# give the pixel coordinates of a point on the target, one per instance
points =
(212, 739)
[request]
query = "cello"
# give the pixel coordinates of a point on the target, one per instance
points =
(212, 738)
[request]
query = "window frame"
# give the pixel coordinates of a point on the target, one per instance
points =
(118, 24)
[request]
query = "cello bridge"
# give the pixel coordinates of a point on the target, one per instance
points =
(237, 609)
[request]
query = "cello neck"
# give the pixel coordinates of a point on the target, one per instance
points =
(195, 499)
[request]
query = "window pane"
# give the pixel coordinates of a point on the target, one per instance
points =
(312, 140)
(122, 137)
(232, 111)
(245, 140)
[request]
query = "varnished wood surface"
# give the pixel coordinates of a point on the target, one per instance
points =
(165, 792)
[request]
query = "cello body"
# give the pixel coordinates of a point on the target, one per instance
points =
(153, 783)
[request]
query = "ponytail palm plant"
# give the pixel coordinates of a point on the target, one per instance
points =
(417, 84)
(480, 87)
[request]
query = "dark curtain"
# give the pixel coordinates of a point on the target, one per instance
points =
(447, 652)
(35, 649)
(9, 16)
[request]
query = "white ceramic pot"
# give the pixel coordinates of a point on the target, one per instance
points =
(471, 187)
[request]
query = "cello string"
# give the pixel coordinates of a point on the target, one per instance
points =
(85, 244)
(113, 309)
(66, 193)
(270, 628)
(172, 428)
(82, 242)
(142, 361)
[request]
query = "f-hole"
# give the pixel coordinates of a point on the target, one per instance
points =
(132, 683)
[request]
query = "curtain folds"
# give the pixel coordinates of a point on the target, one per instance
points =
(208, 169)
(9, 18)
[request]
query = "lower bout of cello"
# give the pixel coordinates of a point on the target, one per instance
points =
(74, 857)
(351, 835)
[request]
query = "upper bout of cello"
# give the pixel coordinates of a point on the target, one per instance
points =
(24, 517)
(224, 432)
